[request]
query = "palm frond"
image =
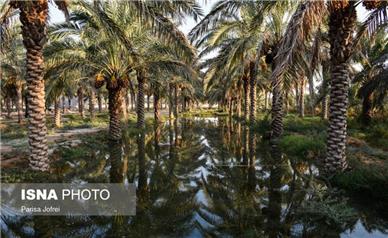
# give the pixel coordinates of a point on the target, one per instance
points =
(221, 10)
(305, 18)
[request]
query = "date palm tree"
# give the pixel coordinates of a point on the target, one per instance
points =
(111, 61)
(372, 86)
(342, 21)
(306, 16)
(57, 85)
(33, 17)
(237, 30)
(13, 68)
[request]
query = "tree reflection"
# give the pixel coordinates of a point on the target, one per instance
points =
(213, 178)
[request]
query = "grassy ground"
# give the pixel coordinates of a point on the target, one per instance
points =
(13, 130)
(367, 151)
(204, 113)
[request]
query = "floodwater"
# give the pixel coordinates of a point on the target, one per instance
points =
(208, 177)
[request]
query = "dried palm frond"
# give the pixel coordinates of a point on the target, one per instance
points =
(308, 15)
(372, 4)
(377, 18)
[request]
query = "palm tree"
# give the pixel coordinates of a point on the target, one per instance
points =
(57, 85)
(342, 23)
(373, 87)
(33, 17)
(13, 67)
(237, 30)
(111, 61)
(300, 27)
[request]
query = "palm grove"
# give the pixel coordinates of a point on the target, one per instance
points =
(244, 56)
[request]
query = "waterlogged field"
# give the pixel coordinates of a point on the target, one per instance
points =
(202, 177)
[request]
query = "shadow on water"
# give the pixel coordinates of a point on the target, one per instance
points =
(204, 178)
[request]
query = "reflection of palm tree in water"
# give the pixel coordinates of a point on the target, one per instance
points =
(116, 175)
(162, 209)
(245, 144)
(251, 167)
(274, 194)
(176, 129)
(142, 186)
(157, 134)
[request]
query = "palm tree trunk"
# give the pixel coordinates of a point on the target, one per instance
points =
(246, 98)
(301, 96)
(69, 102)
(19, 103)
(57, 113)
(80, 94)
(115, 106)
(170, 90)
(133, 101)
(127, 101)
(184, 103)
(341, 26)
(366, 114)
(324, 107)
(176, 88)
(265, 101)
(133, 95)
(33, 17)
(99, 99)
(230, 106)
(252, 92)
(124, 104)
(63, 104)
(156, 104)
(277, 110)
(8, 106)
(140, 100)
(92, 101)
(238, 105)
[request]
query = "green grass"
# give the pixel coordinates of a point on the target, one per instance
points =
(375, 135)
(75, 121)
(204, 113)
(11, 131)
(304, 138)
(18, 175)
(302, 145)
(369, 178)
(295, 124)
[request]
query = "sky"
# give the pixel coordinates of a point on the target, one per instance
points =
(57, 16)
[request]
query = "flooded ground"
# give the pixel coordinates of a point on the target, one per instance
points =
(204, 178)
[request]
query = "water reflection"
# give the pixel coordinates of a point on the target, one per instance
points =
(204, 178)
